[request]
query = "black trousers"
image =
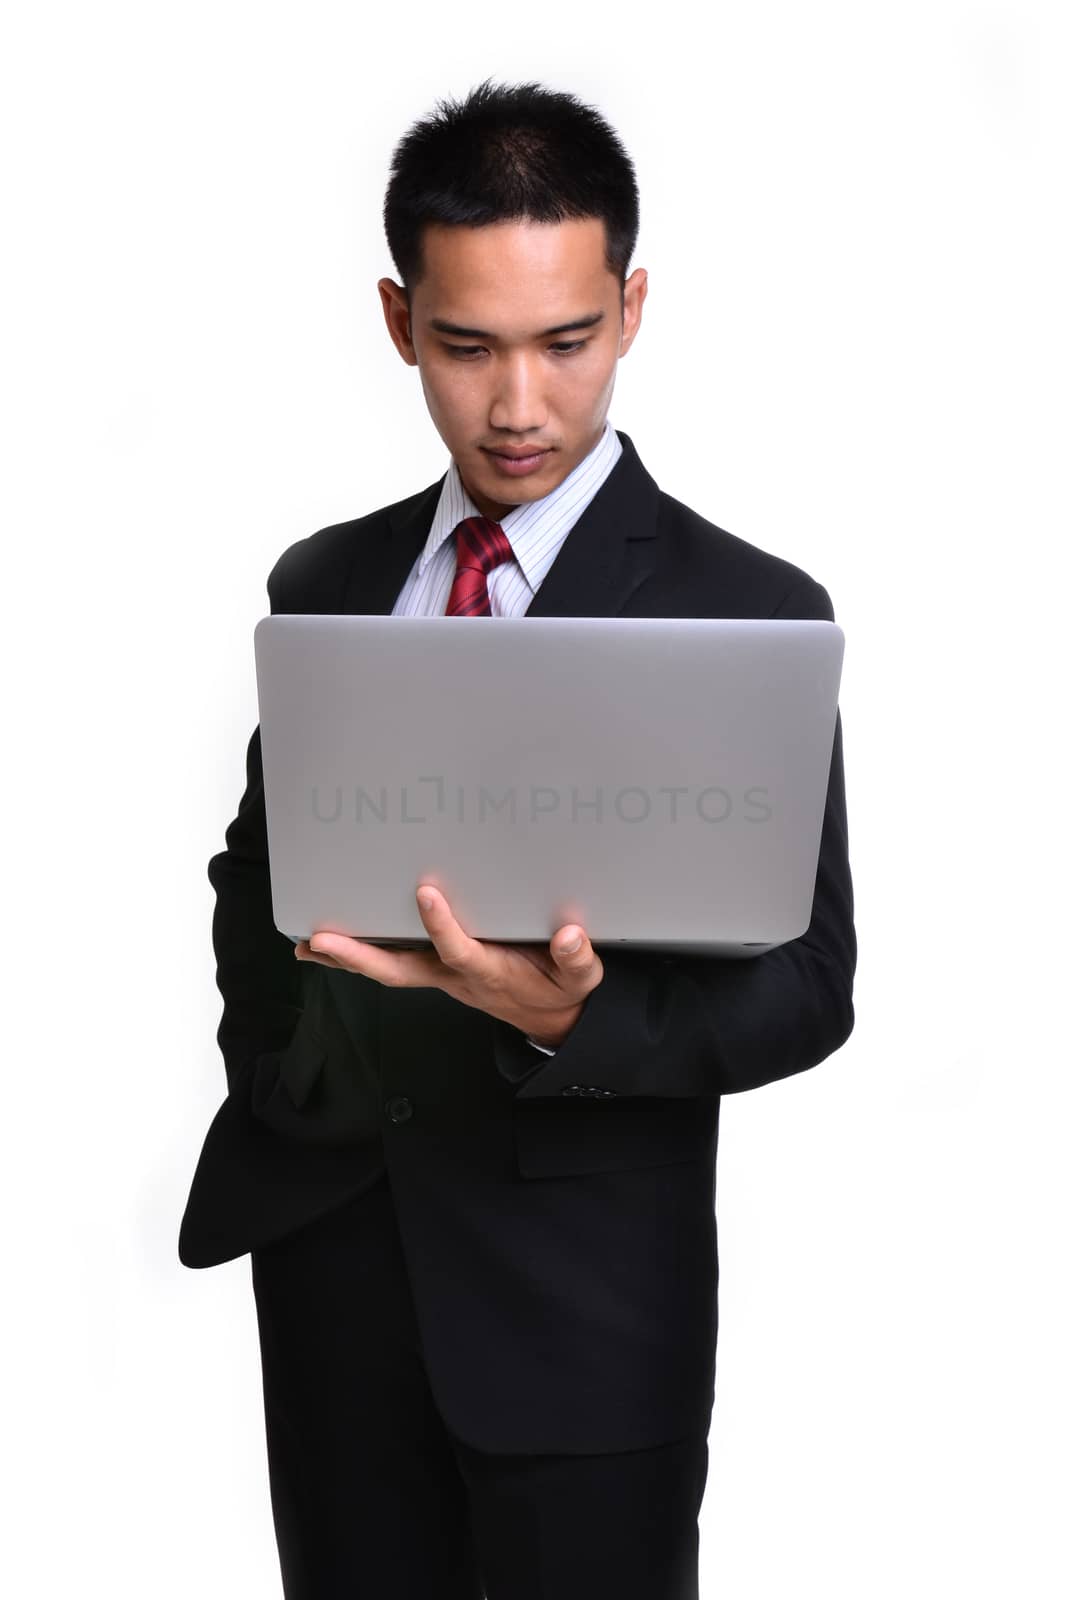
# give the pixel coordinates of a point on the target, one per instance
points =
(374, 1499)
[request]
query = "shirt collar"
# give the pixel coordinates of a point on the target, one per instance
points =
(529, 524)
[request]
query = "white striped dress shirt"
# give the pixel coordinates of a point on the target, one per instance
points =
(535, 530)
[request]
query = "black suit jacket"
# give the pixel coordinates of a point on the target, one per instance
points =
(561, 1244)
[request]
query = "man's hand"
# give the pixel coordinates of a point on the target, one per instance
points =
(539, 991)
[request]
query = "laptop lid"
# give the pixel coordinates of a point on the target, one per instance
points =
(660, 781)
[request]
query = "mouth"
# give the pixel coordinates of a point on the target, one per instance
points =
(518, 460)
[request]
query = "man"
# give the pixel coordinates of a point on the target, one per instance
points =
(477, 1182)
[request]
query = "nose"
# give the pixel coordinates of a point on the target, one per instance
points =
(517, 405)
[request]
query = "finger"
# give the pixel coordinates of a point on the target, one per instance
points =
(573, 953)
(396, 969)
(454, 947)
(304, 953)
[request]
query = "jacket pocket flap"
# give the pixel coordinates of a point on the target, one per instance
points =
(555, 1138)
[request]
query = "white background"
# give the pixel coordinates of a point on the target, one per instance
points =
(857, 353)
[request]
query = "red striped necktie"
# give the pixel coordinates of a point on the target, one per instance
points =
(480, 545)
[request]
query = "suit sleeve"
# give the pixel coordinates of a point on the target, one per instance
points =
(708, 1025)
(257, 974)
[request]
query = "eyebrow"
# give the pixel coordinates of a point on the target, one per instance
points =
(439, 325)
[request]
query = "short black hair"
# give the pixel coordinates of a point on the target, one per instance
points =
(510, 152)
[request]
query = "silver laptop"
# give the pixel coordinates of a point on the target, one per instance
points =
(660, 782)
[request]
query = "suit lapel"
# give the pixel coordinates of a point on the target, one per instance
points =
(609, 552)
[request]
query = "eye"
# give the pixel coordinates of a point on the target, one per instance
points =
(463, 352)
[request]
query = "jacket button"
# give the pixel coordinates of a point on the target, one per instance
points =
(571, 1088)
(399, 1108)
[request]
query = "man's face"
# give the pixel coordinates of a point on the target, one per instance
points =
(510, 381)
